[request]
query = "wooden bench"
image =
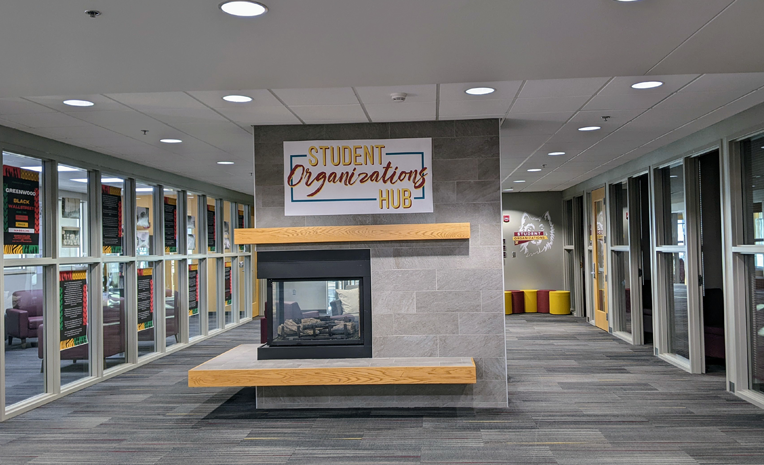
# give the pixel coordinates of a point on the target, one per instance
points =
(240, 367)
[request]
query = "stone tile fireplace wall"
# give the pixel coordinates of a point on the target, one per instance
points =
(429, 298)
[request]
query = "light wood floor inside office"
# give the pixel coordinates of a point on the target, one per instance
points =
(577, 396)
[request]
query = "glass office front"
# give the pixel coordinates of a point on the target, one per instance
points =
(755, 313)
(100, 326)
(752, 161)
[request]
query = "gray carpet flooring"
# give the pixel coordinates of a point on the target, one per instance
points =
(577, 396)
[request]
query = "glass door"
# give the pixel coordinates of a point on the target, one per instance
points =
(599, 259)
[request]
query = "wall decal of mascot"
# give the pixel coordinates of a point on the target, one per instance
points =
(533, 224)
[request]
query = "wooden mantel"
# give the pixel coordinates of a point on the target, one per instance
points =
(370, 233)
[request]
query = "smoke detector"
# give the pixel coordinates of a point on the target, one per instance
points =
(399, 96)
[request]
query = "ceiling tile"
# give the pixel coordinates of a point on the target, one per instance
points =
(555, 88)
(256, 115)
(380, 95)
(56, 102)
(15, 106)
(318, 114)
(327, 96)
(548, 105)
(740, 82)
(45, 120)
(505, 90)
(214, 98)
(473, 109)
(402, 111)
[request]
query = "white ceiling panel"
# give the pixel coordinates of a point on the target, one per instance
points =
(214, 98)
(415, 94)
(619, 95)
(15, 106)
(329, 96)
(319, 114)
(45, 120)
(56, 102)
(535, 123)
(556, 88)
(473, 109)
(256, 115)
(505, 90)
(405, 111)
(130, 123)
(549, 105)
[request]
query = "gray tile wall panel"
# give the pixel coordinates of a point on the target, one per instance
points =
(429, 298)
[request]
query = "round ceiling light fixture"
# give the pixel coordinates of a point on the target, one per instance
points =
(480, 90)
(237, 98)
(589, 128)
(555, 154)
(78, 103)
(225, 163)
(243, 8)
(170, 141)
(533, 170)
(646, 85)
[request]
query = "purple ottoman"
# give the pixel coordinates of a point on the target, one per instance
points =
(518, 301)
(543, 300)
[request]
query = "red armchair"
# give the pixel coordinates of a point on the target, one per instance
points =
(25, 318)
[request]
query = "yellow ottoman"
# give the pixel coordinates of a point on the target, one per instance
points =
(531, 301)
(559, 302)
(507, 302)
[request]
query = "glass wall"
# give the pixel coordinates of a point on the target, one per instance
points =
(673, 205)
(54, 258)
(676, 285)
(622, 290)
(755, 288)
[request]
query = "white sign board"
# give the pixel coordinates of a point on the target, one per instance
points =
(351, 177)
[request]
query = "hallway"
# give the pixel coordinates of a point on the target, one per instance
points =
(577, 396)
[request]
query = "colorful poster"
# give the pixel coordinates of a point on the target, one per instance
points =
(21, 210)
(228, 283)
(145, 299)
(73, 308)
(170, 225)
(193, 290)
(211, 228)
(111, 216)
(241, 226)
(352, 177)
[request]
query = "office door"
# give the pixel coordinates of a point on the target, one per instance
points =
(599, 257)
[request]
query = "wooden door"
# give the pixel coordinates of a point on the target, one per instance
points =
(599, 258)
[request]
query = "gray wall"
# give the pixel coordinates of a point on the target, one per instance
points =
(542, 270)
(429, 298)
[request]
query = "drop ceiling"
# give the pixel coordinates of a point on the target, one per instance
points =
(163, 66)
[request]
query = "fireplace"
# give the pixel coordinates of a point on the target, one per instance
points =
(318, 304)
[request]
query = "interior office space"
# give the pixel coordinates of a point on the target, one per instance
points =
(626, 135)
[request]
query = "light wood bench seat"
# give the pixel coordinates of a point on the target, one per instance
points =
(239, 367)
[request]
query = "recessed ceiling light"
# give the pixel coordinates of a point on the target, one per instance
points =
(533, 170)
(78, 103)
(103, 180)
(225, 163)
(589, 128)
(627, 1)
(171, 141)
(508, 190)
(480, 90)
(646, 85)
(237, 98)
(673, 176)
(244, 8)
(520, 180)
(555, 154)
(144, 189)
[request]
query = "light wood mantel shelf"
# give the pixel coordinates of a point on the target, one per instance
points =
(240, 367)
(370, 233)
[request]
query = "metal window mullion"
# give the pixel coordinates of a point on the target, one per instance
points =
(656, 224)
(635, 252)
(95, 300)
(128, 217)
(219, 249)
(235, 298)
(131, 309)
(692, 265)
(182, 240)
(588, 272)
(160, 315)
(737, 305)
(95, 204)
(51, 317)
(203, 300)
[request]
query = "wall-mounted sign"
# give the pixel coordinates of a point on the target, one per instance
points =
(211, 228)
(73, 308)
(111, 217)
(331, 177)
(506, 218)
(535, 235)
(21, 208)
(227, 281)
(145, 298)
(170, 225)
(193, 290)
